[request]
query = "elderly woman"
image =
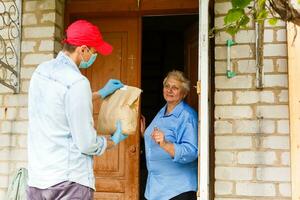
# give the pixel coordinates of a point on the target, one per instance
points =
(171, 145)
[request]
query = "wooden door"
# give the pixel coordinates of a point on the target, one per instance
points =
(168, 6)
(191, 63)
(117, 170)
(102, 7)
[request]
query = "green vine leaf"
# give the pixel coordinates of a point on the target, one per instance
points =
(244, 21)
(273, 21)
(240, 3)
(261, 3)
(244, 11)
(233, 15)
(232, 30)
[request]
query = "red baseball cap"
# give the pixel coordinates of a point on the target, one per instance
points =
(82, 32)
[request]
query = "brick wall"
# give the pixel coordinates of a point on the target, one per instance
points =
(41, 32)
(251, 125)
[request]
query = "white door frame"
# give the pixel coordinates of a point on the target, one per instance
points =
(203, 107)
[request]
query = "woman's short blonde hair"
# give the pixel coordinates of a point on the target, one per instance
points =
(179, 76)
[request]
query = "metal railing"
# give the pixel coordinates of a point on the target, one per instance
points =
(10, 43)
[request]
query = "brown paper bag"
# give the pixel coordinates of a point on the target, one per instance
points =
(122, 105)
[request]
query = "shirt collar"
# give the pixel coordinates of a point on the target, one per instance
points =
(176, 111)
(67, 60)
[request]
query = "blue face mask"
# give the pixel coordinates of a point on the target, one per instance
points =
(87, 64)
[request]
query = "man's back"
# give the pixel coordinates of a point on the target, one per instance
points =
(55, 150)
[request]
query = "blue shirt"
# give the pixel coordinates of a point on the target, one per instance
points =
(61, 135)
(167, 176)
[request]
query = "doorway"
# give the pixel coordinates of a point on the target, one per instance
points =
(117, 172)
(167, 44)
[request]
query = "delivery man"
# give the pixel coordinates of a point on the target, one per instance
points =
(61, 137)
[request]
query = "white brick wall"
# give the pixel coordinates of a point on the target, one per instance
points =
(233, 112)
(223, 127)
(245, 36)
(268, 65)
(3, 181)
(285, 158)
(29, 19)
(220, 67)
(250, 97)
(256, 158)
(246, 66)
(282, 65)
(281, 35)
(283, 96)
(238, 82)
(233, 173)
(222, 7)
(240, 51)
(39, 32)
(252, 158)
(277, 111)
(27, 72)
(35, 59)
(223, 97)
(254, 126)
(28, 46)
(48, 17)
(233, 142)
(42, 23)
(277, 80)
(256, 189)
(283, 126)
(46, 45)
(273, 50)
(224, 187)
(285, 189)
(281, 174)
(268, 35)
(5, 126)
(15, 100)
(276, 142)
(2, 194)
(225, 157)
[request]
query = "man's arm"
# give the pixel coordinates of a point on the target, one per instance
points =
(79, 111)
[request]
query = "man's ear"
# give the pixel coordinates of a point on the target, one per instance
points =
(82, 48)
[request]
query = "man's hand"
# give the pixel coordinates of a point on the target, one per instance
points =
(118, 136)
(111, 86)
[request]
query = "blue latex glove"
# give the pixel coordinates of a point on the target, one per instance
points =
(111, 86)
(118, 136)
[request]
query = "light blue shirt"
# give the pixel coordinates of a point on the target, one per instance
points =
(61, 135)
(167, 176)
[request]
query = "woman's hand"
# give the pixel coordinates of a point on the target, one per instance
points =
(158, 136)
(142, 125)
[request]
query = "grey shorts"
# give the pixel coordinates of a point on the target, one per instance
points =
(63, 191)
